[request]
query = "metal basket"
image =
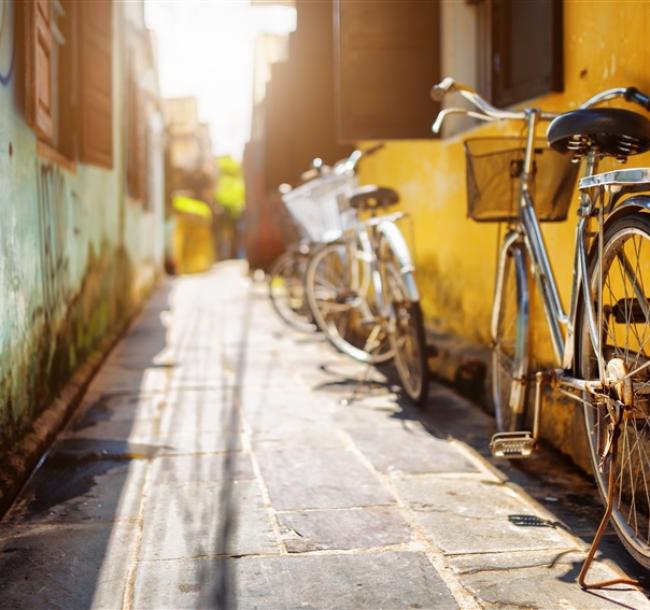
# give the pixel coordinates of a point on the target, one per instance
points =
(321, 206)
(494, 167)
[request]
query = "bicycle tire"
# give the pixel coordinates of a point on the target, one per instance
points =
(408, 337)
(338, 310)
(286, 292)
(633, 463)
(510, 344)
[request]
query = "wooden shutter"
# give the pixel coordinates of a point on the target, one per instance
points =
(96, 82)
(38, 68)
(136, 140)
(527, 49)
(387, 59)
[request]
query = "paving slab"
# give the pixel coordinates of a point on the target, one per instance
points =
(205, 519)
(320, 479)
(541, 580)
(346, 582)
(320, 530)
(64, 566)
(463, 515)
(201, 468)
(413, 450)
(102, 490)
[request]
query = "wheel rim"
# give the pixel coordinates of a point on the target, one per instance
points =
(342, 302)
(626, 336)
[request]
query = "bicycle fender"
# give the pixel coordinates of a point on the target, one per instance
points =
(400, 249)
(629, 206)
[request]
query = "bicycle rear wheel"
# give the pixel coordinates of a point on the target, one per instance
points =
(340, 296)
(286, 281)
(625, 337)
(510, 341)
(408, 338)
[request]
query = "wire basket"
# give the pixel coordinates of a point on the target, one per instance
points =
(321, 207)
(494, 167)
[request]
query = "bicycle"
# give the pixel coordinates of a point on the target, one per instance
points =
(362, 293)
(320, 213)
(286, 276)
(601, 345)
(309, 221)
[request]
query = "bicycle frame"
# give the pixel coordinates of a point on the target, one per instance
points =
(367, 235)
(527, 231)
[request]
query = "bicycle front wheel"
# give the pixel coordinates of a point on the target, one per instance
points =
(625, 337)
(510, 341)
(339, 292)
(407, 337)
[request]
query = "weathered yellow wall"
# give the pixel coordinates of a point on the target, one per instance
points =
(606, 45)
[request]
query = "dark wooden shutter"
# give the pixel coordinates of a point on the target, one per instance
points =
(68, 83)
(96, 82)
(38, 68)
(527, 49)
(136, 140)
(387, 59)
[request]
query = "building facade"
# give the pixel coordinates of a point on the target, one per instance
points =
(81, 195)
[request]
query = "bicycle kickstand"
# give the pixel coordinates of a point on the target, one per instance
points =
(586, 566)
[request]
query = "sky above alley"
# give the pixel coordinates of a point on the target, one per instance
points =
(205, 49)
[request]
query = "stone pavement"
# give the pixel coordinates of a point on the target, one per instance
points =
(221, 460)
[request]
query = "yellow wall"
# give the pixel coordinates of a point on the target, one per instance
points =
(194, 250)
(606, 44)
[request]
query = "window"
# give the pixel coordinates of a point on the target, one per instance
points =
(390, 52)
(387, 58)
(524, 42)
(68, 77)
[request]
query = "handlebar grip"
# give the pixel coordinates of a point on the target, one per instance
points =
(439, 91)
(632, 94)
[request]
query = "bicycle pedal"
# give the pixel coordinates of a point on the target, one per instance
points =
(512, 444)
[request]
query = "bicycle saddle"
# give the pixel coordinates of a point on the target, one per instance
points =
(371, 197)
(612, 131)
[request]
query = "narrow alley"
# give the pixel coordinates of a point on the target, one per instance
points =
(220, 459)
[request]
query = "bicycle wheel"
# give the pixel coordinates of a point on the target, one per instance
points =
(510, 342)
(340, 296)
(625, 337)
(408, 338)
(287, 291)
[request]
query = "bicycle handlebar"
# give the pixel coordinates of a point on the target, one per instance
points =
(490, 113)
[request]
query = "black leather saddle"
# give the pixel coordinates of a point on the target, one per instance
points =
(371, 197)
(612, 131)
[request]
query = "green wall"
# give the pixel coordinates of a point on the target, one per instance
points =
(76, 255)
